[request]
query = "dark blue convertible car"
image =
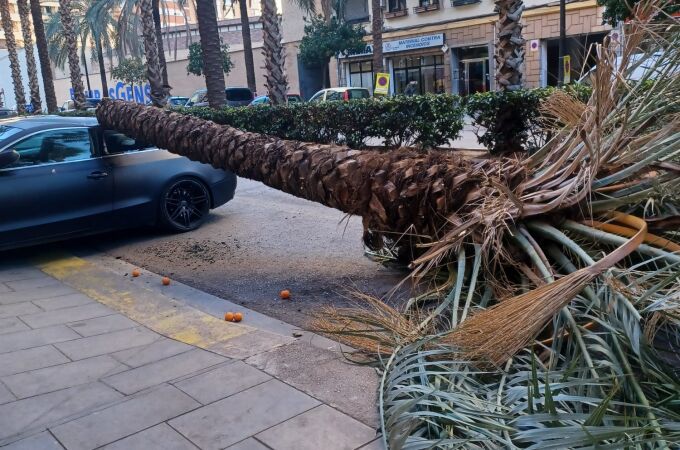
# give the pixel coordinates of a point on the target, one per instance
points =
(62, 177)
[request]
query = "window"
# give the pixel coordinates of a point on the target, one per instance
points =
(355, 94)
(333, 95)
(54, 146)
(419, 74)
(317, 97)
(7, 131)
(356, 11)
(396, 5)
(117, 142)
(361, 74)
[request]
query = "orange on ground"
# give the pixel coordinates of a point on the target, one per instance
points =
(229, 317)
(165, 281)
(238, 317)
(284, 294)
(136, 273)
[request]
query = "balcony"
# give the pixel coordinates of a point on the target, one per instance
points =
(464, 2)
(426, 6)
(396, 13)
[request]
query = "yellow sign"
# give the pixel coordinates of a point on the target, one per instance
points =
(566, 65)
(382, 84)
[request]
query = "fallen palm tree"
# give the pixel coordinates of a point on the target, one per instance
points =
(559, 271)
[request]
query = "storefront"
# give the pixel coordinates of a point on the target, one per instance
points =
(472, 69)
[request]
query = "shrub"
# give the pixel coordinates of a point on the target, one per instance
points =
(423, 121)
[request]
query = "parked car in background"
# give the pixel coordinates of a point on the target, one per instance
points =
(264, 99)
(340, 93)
(236, 96)
(62, 177)
(90, 105)
(7, 112)
(177, 102)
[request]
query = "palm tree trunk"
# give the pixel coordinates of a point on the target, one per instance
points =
(45, 67)
(31, 67)
(159, 41)
(247, 45)
(87, 73)
(212, 56)
(274, 54)
(509, 45)
(392, 191)
(376, 31)
(15, 68)
(73, 60)
(102, 67)
(153, 68)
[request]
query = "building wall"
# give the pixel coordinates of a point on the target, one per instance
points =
(48, 7)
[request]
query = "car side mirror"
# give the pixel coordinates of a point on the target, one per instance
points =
(8, 158)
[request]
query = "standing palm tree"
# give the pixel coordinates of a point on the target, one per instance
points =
(509, 45)
(72, 49)
(19, 94)
(45, 67)
(153, 68)
(247, 45)
(31, 68)
(211, 50)
(159, 41)
(274, 53)
(376, 31)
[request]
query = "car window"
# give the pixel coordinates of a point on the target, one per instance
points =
(117, 142)
(317, 97)
(358, 93)
(294, 99)
(333, 95)
(54, 146)
(238, 94)
(198, 97)
(7, 131)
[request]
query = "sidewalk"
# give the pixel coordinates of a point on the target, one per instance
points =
(92, 358)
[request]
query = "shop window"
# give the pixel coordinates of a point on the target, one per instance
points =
(361, 74)
(419, 74)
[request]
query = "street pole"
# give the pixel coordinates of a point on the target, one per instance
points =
(562, 43)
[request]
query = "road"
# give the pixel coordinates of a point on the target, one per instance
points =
(261, 242)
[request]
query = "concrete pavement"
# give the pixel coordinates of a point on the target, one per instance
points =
(93, 358)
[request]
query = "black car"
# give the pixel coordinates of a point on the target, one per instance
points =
(66, 176)
(236, 96)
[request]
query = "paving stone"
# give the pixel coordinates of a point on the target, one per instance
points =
(222, 382)
(106, 343)
(28, 295)
(5, 395)
(17, 309)
(35, 338)
(40, 441)
(32, 283)
(160, 437)
(43, 410)
(49, 379)
(101, 325)
(164, 370)
(30, 359)
(248, 444)
(249, 344)
(123, 419)
(374, 445)
(322, 427)
(160, 349)
(63, 301)
(66, 315)
(240, 416)
(11, 325)
(20, 273)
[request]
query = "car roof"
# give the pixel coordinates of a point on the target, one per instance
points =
(26, 123)
(345, 88)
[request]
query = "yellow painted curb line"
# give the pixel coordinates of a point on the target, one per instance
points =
(161, 314)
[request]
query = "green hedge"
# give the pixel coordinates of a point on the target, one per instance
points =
(425, 121)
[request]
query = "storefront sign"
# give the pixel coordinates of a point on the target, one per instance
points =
(382, 84)
(431, 40)
(566, 64)
(138, 93)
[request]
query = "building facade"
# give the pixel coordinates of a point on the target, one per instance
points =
(47, 6)
(448, 45)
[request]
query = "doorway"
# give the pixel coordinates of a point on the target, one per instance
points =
(474, 75)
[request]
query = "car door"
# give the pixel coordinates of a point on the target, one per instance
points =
(58, 188)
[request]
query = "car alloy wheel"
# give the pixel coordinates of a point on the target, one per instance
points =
(186, 204)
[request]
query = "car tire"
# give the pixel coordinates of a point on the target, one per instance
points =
(184, 205)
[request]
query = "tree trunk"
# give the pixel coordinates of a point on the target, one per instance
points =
(45, 67)
(73, 59)
(212, 54)
(31, 67)
(393, 191)
(376, 31)
(274, 54)
(19, 94)
(509, 45)
(247, 45)
(153, 68)
(102, 67)
(159, 41)
(87, 73)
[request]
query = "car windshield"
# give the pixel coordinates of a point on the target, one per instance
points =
(6, 131)
(238, 94)
(178, 101)
(198, 97)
